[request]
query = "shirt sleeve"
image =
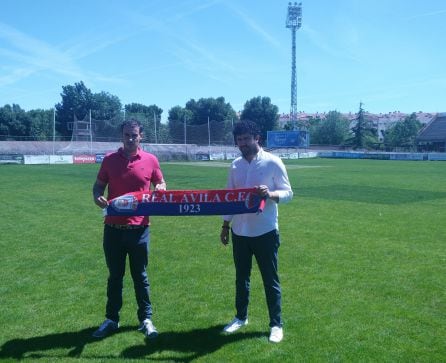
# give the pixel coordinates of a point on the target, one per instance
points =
(157, 174)
(102, 173)
(283, 186)
(229, 185)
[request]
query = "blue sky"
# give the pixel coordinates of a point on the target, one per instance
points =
(389, 54)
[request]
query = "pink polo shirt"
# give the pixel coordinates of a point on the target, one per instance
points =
(124, 176)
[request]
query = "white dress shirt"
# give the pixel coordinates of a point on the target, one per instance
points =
(264, 169)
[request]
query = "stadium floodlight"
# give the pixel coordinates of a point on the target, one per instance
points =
(294, 16)
(294, 22)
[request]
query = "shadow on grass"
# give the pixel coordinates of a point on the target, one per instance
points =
(187, 346)
(367, 194)
(33, 347)
(180, 346)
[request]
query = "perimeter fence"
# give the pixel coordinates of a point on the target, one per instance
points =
(210, 132)
(91, 129)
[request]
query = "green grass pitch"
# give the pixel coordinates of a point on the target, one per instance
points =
(362, 265)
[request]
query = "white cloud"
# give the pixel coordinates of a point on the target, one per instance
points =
(251, 23)
(28, 55)
(422, 15)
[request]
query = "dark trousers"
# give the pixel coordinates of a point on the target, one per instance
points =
(118, 243)
(265, 250)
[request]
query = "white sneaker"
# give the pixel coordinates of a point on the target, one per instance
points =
(148, 329)
(276, 335)
(235, 325)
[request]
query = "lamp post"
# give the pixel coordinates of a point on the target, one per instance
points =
(91, 134)
(209, 137)
(154, 120)
(54, 129)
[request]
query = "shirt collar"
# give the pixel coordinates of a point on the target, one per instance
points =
(259, 155)
(134, 157)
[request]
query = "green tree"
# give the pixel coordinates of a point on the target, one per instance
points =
(364, 135)
(105, 106)
(149, 117)
(314, 122)
(77, 101)
(14, 122)
(106, 115)
(178, 118)
(333, 130)
(41, 124)
(4, 131)
(217, 111)
(163, 134)
(403, 133)
(261, 111)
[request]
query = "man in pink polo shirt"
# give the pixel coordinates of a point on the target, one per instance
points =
(130, 169)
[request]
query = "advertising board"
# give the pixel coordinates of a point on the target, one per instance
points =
(84, 159)
(11, 159)
(285, 139)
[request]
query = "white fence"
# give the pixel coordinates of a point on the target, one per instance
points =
(14, 152)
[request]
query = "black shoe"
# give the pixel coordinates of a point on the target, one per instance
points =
(106, 328)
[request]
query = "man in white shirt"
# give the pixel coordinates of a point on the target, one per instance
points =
(256, 234)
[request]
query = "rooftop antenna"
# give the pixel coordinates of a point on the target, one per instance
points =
(293, 22)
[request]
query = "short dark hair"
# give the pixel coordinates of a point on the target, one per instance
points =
(245, 127)
(132, 123)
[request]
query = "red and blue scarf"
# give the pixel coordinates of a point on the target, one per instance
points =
(186, 203)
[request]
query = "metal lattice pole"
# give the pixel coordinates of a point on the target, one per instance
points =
(293, 22)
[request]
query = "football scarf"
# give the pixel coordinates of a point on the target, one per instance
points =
(186, 203)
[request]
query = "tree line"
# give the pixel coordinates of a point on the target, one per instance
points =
(336, 129)
(79, 103)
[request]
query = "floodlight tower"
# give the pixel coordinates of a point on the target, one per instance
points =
(294, 22)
